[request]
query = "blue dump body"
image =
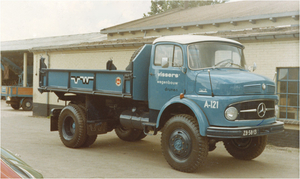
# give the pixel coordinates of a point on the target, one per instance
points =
(102, 82)
(198, 89)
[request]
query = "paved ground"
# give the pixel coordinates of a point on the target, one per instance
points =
(110, 157)
(288, 138)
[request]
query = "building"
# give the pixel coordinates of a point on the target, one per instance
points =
(268, 29)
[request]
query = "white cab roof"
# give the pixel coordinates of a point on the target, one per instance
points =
(188, 39)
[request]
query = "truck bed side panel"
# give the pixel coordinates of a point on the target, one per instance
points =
(58, 79)
(24, 91)
(111, 83)
(16, 91)
(98, 82)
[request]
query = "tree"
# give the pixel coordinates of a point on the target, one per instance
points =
(159, 6)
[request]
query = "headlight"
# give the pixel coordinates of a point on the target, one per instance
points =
(231, 113)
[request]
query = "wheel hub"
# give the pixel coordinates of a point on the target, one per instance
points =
(28, 104)
(73, 128)
(69, 128)
(242, 143)
(180, 144)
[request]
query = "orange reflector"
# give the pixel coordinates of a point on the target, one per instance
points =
(181, 95)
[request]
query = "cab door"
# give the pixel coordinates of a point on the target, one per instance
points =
(166, 75)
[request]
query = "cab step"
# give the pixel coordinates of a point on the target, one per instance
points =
(150, 128)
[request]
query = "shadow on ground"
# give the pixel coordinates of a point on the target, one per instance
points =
(288, 138)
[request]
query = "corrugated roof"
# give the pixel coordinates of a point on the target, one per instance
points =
(26, 45)
(233, 11)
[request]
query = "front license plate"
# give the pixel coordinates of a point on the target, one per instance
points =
(249, 132)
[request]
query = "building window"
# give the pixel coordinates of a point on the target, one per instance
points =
(288, 92)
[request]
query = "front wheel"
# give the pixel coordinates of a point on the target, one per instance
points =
(182, 145)
(246, 148)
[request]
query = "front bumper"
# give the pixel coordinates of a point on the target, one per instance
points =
(243, 132)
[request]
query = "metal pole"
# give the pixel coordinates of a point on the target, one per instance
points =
(25, 70)
(1, 75)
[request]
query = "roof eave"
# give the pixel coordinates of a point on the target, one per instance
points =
(207, 22)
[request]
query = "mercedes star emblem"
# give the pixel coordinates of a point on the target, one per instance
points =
(263, 86)
(261, 110)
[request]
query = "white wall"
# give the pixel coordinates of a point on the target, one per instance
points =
(271, 54)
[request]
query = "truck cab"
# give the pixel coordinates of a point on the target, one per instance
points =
(212, 73)
(195, 90)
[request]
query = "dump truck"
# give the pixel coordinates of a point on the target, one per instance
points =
(194, 90)
(14, 92)
(18, 96)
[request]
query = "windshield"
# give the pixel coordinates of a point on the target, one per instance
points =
(215, 54)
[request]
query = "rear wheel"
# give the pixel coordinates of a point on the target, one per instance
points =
(71, 127)
(182, 145)
(129, 134)
(27, 104)
(246, 148)
(90, 139)
(15, 106)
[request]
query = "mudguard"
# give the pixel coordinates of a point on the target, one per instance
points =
(201, 117)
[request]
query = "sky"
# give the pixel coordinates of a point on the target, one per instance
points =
(45, 18)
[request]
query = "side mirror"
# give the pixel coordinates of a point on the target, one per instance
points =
(184, 70)
(254, 66)
(165, 62)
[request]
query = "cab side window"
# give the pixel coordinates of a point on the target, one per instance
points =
(173, 53)
(178, 59)
(163, 51)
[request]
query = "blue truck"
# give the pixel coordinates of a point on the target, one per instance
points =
(14, 93)
(195, 90)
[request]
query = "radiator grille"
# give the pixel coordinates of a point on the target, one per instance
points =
(253, 110)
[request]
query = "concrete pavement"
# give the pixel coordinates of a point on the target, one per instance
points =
(111, 157)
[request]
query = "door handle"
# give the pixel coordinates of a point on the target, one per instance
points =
(151, 74)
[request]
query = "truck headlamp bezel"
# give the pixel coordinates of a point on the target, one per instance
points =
(231, 113)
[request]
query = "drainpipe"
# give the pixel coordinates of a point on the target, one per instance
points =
(25, 70)
(1, 75)
(48, 94)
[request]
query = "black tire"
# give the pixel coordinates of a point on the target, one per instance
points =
(246, 148)
(90, 139)
(211, 147)
(129, 134)
(27, 104)
(141, 136)
(15, 106)
(182, 145)
(71, 126)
